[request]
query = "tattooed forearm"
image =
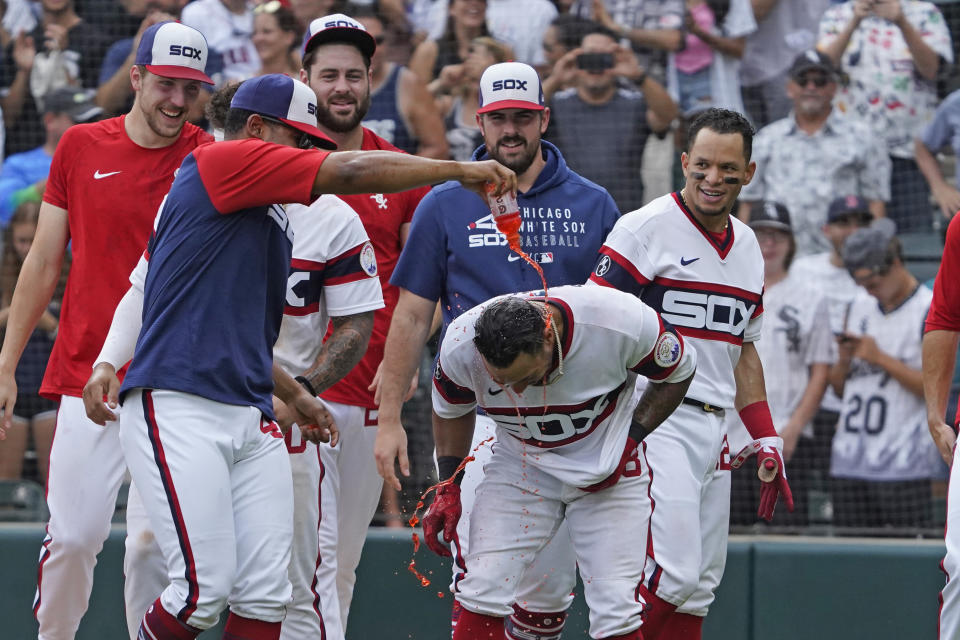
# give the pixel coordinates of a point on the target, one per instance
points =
(658, 402)
(341, 351)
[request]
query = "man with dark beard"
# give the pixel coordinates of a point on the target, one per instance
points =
(336, 65)
(455, 255)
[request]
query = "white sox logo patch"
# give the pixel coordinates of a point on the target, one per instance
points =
(380, 199)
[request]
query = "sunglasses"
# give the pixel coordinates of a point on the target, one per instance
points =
(304, 140)
(819, 80)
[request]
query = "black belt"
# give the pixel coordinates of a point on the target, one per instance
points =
(705, 407)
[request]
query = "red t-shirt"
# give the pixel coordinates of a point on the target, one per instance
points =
(382, 215)
(111, 188)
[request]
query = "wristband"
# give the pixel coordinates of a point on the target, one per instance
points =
(447, 466)
(306, 385)
(637, 431)
(758, 421)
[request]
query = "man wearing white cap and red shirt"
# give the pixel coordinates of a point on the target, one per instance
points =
(456, 256)
(105, 184)
(198, 430)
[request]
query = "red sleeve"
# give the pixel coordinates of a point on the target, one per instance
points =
(945, 309)
(56, 190)
(251, 173)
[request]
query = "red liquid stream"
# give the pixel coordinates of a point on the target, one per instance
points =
(415, 518)
(509, 225)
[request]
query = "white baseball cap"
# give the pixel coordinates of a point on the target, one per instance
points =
(281, 97)
(174, 50)
(338, 27)
(510, 85)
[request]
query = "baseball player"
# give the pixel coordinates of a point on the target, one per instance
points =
(456, 256)
(332, 278)
(106, 181)
(199, 437)
(940, 340)
(685, 256)
(881, 461)
(558, 378)
(336, 62)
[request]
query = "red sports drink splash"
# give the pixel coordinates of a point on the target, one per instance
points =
(506, 215)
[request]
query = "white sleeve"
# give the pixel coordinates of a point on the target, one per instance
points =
(451, 396)
(121, 340)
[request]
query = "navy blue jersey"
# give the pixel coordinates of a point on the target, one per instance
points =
(455, 254)
(219, 261)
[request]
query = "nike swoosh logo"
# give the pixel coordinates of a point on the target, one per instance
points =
(491, 391)
(684, 263)
(512, 257)
(100, 176)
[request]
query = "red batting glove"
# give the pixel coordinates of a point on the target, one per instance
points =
(443, 513)
(772, 473)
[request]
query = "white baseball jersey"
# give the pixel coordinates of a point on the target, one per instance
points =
(227, 33)
(575, 427)
(882, 433)
(333, 272)
(838, 287)
(795, 335)
(709, 288)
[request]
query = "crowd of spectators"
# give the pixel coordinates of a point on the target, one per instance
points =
(855, 120)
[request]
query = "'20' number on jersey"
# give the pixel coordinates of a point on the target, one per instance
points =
(868, 416)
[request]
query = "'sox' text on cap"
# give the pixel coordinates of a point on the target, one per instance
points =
(285, 99)
(340, 28)
(174, 50)
(510, 85)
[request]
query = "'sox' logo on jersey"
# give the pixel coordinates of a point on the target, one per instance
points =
(554, 429)
(710, 311)
(380, 199)
(502, 85)
(186, 51)
(491, 238)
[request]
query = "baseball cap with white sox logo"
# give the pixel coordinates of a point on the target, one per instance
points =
(282, 98)
(510, 85)
(174, 50)
(338, 28)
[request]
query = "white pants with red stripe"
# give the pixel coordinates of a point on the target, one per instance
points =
(215, 481)
(547, 585)
(689, 467)
(86, 470)
(949, 621)
(336, 491)
(519, 508)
